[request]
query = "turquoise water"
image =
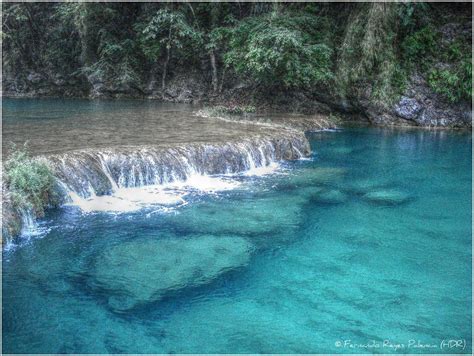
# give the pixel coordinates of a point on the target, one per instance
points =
(368, 244)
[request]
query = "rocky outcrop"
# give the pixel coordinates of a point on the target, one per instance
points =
(97, 172)
(387, 197)
(420, 106)
(183, 87)
(38, 84)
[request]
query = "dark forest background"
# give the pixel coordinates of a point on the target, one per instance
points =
(345, 55)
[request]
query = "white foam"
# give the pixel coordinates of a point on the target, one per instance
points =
(206, 184)
(168, 195)
(127, 199)
(262, 171)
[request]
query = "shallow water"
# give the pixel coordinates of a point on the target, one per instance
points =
(52, 126)
(56, 126)
(369, 239)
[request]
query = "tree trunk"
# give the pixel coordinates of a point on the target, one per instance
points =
(86, 35)
(165, 65)
(165, 70)
(214, 70)
(222, 79)
(153, 73)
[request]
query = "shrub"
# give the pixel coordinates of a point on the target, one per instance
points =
(424, 50)
(367, 59)
(335, 119)
(421, 45)
(455, 84)
(30, 182)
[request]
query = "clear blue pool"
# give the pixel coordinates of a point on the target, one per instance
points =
(369, 240)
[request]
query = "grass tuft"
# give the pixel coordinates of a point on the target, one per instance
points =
(30, 182)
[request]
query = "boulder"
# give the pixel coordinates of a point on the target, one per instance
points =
(143, 271)
(387, 197)
(35, 78)
(408, 108)
(421, 106)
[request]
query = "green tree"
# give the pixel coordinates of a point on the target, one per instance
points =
(281, 49)
(166, 31)
(108, 42)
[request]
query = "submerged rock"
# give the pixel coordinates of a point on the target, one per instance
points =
(362, 186)
(253, 217)
(387, 196)
(332, 196)
(341, 150)
(98, 172)
(139, 272)
(314, 176)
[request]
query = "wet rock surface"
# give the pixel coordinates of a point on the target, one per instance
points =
(422, 107)
(93, 151)
(408, 108)
(97, 172)
(11, 218)
(418, 106)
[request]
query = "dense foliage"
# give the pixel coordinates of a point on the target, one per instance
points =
(344, 48)
(30, 182)
(281, 49)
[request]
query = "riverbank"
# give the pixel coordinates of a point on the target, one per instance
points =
(419, 108)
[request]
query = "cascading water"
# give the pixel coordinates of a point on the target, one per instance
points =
(24, 218)
(29, 226)
(95, 173)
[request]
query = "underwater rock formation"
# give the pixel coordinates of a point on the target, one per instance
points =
(387, 197)
(314, 176)
(150, 269)
(266, 216)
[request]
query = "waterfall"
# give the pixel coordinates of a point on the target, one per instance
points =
(89, 173)
(17, 222)
(29, 227)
